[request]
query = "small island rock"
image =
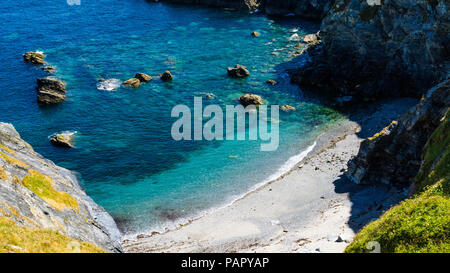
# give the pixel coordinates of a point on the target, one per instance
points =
(166, 76)
(287, 108)
(50, 91)
(143, 77)
(250, 99)
(239, 71)
(133, 82)
(34, 58)
(62, 140)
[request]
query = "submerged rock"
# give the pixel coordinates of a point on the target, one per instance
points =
(62, 140)
(35, 193)
(272, 82)
(239, 71)
(133, 82)
(250, 99)
(143, 77)
(34, 58)
(255, 34)
(166, 76)
(50, 91)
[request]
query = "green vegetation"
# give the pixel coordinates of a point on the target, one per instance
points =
(21, 239)
(13, 161)
(422, 223)
(41, 185)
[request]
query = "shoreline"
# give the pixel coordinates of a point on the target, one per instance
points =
(319, 213)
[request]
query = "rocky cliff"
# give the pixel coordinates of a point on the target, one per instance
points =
(394, 155)
(38, 198)
(389, 48)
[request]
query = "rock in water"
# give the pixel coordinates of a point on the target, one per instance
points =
(166, 76)
(250, 99)
(133, 82)
(256, 34)
(50, 91)
(210, 96)
(62, 140)
(143, 77)
(311, 39)
(287, 108)
(239, 71)
(34, 57)
(49, 69)
(272, 82)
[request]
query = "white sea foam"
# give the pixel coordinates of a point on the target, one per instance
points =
(294, 37)
(285, 168)
(109, 85)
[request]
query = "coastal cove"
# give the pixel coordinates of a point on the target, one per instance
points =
(123, 153)
(106, 143)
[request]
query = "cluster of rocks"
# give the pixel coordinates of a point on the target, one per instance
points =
(137, 80)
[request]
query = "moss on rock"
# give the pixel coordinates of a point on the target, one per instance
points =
(20, 239)
(42, 186)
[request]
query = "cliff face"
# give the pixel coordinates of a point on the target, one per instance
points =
(35, 194)
(397, 48)
(312, 9)
(394, 155)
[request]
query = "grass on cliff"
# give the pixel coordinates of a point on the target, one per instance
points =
(421, 223)
(42, 186)
(21, 239)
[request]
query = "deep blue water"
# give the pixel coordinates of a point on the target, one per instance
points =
(124, 155)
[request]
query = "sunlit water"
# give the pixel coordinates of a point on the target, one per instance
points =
(124, 155)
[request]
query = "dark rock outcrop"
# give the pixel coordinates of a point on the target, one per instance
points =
(312, 9)
(50, 91)
(142, 77)
(394, 155)
(398, 48)
(250, 99)
(36, 193)
(239, 71)
(166, 76)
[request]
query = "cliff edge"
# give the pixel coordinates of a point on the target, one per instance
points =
(42, 206)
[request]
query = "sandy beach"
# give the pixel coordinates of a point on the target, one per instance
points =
(312, 208)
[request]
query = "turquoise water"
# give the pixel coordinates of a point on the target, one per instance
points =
(125, 157)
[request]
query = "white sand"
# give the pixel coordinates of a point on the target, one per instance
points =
(304, 211)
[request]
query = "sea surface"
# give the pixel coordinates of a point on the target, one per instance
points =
(125, 157)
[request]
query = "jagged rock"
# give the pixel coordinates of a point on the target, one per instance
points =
(239, 71)
(250, 99)
(143, 77)
(34, 57)
(311, 39)
(166, 76)
(38, 194)
(255, 34)
(287, 108)
(394, 155)
(50, 91)
(272, 82)
(133, 82)
(62, 140)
